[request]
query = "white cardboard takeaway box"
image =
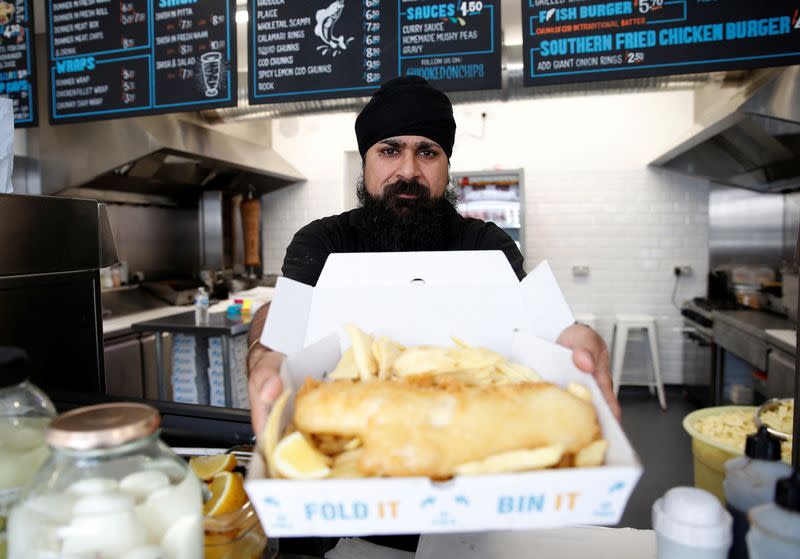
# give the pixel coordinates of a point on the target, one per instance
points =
(424, 298)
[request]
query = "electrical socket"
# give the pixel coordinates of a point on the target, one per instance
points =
(683, 270)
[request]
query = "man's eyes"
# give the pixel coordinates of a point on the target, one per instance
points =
(426, 153)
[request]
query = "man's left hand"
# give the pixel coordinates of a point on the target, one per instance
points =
(590, 355)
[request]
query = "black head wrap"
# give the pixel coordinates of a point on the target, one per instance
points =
(406, 106)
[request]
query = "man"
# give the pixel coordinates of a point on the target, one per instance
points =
(405, 137)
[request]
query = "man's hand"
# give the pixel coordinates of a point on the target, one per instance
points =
(264, 384)
(590, 355)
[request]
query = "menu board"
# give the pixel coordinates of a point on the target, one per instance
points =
(18, 60)
(115, 58)
(321, 49)
(586, 40)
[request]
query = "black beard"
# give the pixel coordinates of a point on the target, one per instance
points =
(395, 224)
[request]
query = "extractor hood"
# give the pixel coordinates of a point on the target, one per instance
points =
(746, 135)
(166, 155)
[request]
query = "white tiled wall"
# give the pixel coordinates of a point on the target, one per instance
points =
(590, 198)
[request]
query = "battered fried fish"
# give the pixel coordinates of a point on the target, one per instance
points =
(410, 429)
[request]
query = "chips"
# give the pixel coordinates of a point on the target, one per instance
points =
(591, 455)
(272, 430)
(385, 359)
(514, 461)
(731, 428)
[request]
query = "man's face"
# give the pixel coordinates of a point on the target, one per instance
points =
(404, 195)
(406, 159)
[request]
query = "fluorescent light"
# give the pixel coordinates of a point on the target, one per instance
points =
(242, 16)
(515, 66)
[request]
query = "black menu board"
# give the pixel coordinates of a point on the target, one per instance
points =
(18, 60)
(574, 40)
(116, 58)
(322, 49)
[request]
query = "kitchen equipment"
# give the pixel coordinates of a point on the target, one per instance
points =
(772, 404)
(50, 288)
(251, 226)
(174, 292)
(110, 487)
(25, 412)
(700, 351)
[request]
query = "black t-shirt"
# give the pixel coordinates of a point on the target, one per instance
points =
(311, 246)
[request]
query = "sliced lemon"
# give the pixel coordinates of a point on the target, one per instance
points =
(206, 467)
(227, 494)
(296, 458)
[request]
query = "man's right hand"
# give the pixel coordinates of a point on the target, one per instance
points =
(264, 384)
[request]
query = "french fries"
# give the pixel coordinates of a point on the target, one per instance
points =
(369, 360)
(514, 461)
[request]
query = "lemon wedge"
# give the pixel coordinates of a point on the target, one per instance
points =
(296, 458)
(206, 467)
(227, 494)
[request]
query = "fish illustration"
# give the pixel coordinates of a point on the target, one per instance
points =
(326, 19)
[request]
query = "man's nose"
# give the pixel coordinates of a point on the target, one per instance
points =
(408, 166)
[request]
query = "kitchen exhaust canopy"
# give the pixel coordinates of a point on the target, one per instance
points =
(168, 155)
(747, 136)
(165, 155)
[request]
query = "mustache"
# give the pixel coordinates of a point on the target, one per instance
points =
(412, 188)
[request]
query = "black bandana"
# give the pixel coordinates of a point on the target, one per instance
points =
(406, 106)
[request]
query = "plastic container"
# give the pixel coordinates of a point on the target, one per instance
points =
(201, 306)
(110, 488)
(25, 412)
(237, 535)
(775, 527)
(750, 481)
(691, 524)
(709, 454)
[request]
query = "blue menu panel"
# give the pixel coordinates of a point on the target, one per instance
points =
(322, 49)
(18, 60)
(116, 58)
(586, 40)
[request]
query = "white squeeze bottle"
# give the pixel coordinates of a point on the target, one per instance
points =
(750, 481)
(775, 527)
(25, 412)
(690, 523)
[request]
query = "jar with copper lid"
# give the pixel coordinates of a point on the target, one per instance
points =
(110, 488)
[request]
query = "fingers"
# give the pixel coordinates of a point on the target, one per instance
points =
(583, 360)
(590, 355)
(264, 385)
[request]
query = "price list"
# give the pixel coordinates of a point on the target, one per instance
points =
(455, 46)
(114, 58)
(18, 60)
(320, 49)
(575, 40)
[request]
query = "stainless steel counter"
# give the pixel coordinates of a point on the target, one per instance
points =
(754, 323)
(751, 336)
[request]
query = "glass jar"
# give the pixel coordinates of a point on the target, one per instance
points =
(110, 488)
(25, 412)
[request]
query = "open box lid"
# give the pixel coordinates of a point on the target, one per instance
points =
(418, 298)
